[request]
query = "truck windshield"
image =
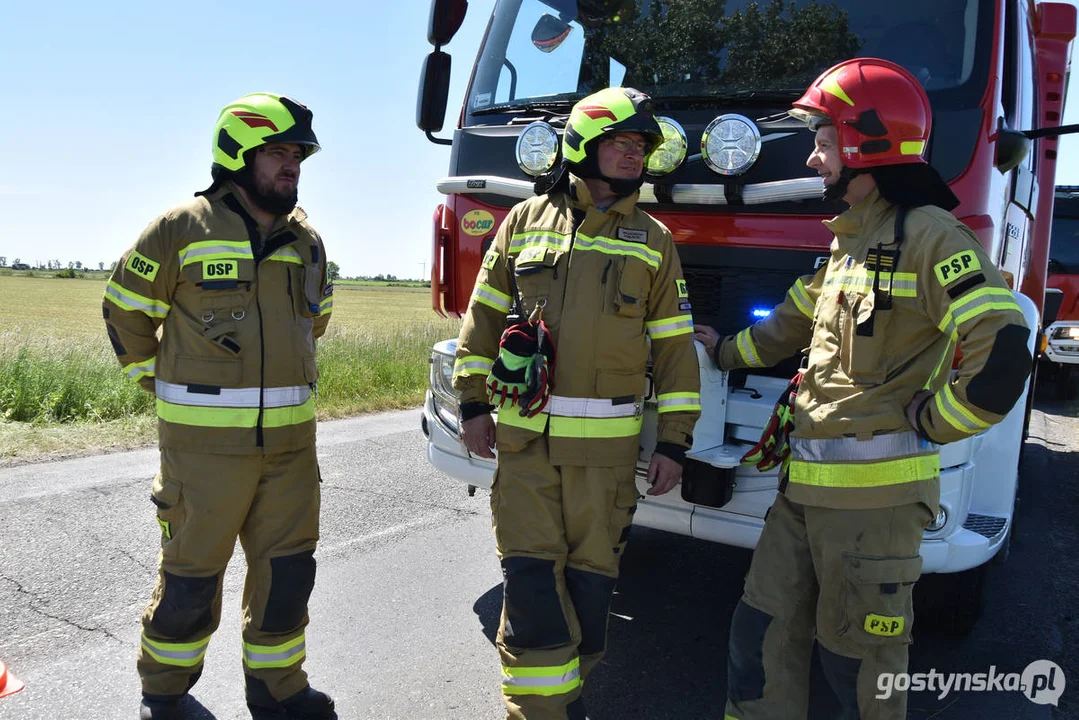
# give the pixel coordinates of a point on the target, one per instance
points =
(550, 53)
(1064, 246)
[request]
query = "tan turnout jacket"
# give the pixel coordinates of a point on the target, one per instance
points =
(614, 292)
(234, 370)
(864, 368)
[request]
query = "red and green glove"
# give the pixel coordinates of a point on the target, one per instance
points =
(774, 446)
(524, 370)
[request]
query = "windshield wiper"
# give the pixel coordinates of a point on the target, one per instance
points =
(737, 97)
(540, 107)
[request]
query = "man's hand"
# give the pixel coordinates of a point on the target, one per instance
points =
(663, 474)
(706, 336)
(915, 405)
(478, 435)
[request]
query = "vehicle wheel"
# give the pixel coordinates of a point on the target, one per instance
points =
(950, 603)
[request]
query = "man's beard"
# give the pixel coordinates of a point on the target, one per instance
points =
(263, 194)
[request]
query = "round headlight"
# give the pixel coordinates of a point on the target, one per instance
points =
(939, 521)
(730, 144)
(537, 148)
(666, 158)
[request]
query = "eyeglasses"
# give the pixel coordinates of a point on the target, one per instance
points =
(625, 145)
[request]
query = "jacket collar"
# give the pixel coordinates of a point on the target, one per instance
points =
(581, 198)
(860, 221)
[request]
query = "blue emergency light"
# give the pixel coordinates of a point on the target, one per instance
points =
(761, 313)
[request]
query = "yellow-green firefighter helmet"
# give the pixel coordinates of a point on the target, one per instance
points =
(258, 119)
(612, 110)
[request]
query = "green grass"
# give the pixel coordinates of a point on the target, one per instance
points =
(61, 389)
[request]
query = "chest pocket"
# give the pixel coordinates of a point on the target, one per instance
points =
(629, 282)
(304, 286)
(224, 288)
(864, 330)
(535, 271)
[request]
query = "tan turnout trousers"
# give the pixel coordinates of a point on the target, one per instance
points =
(560, 534)
(841, 577)
(204, 502)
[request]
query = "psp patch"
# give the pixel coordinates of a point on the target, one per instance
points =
(632, 235)
(683, 289)
(490, 259)
(957, 266)
(142, 266)
(884, 625)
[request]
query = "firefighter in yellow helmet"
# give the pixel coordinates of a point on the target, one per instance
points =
(856, 435)
(568, 375)
(234, 282)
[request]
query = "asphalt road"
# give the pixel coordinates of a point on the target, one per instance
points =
(408, 594)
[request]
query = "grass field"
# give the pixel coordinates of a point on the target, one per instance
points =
(62, 392)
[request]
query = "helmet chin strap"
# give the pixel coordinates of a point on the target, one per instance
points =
(623, 187)
(838, 189)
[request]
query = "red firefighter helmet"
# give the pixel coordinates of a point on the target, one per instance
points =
(880, 111)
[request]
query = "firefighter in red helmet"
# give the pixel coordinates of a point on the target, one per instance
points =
(856, 436)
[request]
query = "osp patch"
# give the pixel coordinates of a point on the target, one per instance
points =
(142, 266)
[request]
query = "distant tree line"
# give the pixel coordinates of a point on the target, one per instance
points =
(18, 264)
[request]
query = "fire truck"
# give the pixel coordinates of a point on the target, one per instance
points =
(1061, 343)
(730, 182)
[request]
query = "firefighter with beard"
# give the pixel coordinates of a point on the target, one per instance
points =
(234, 284)
(589, 285)
(856, 435)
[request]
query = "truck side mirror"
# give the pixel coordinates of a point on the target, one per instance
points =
(1054, 297)
(549, 33)
(434, 91)
(1012, 149)
(445, 21)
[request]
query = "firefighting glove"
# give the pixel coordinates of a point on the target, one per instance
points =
(774, 446)
(522, 373)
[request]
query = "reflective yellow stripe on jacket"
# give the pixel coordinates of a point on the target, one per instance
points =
(215, 250)
(610, 246)
(472, 365)
(234, 407)
(139, 370)
(847, 462)
(127, 300)
(581, 417)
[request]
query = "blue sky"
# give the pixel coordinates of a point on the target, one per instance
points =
(110, 108)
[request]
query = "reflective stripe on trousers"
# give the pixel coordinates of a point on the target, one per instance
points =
(179, 654)
(556, 680)
(275, 656)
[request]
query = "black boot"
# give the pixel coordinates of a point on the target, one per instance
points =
(161, 707)
(308, 704)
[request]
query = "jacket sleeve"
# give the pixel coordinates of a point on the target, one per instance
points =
(325, 293)
(967, 297)
(485, 320)
(669, 324)
(137, 298)
(785, 331)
